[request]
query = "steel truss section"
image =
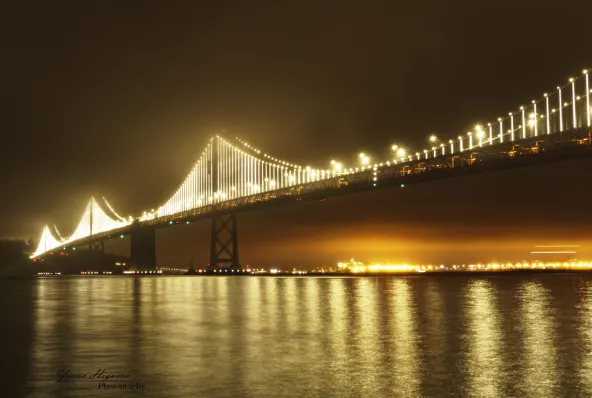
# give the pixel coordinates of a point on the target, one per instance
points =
(224, 242)
(96, 246)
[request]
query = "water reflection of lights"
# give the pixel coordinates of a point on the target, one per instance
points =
(406, 372)
(540, 357)
(339, 318)
(484, 362)
(367, 338)
(585, 332)
(436, 330)
(291, 304)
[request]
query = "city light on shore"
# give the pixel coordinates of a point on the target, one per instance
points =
(360, 268)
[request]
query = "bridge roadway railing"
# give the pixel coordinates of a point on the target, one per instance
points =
(539, 149)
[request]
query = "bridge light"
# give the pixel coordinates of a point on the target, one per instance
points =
(394, 147)
(433, 138)
(336, 166)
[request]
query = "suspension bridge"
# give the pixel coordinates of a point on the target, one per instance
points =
(232, 176)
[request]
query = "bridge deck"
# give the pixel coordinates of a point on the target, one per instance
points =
(526, 152)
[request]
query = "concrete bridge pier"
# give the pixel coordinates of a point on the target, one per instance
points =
(143, 247)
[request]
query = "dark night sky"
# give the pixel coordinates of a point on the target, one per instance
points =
(107, 99)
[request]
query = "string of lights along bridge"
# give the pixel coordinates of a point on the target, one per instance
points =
(227, 171)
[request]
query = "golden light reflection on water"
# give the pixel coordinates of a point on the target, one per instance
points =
(74, 329)
(311, 304)
(436, 333)
(46, 335)
(291, 304)
(585, 333)
(367, 337)
(269, 296)
(404, 337)
(311, 331)
(338, 333)
(483, 361)
(540, 362)
(253, 336)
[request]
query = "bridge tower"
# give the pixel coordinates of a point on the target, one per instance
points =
(99, 246)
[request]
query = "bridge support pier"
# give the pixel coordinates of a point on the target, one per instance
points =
(224, 242)
(96, 252)
(143, 247)
(98, 246)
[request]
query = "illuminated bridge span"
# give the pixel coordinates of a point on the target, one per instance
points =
(231, 176)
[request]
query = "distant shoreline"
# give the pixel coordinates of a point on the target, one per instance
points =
(334, 274)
